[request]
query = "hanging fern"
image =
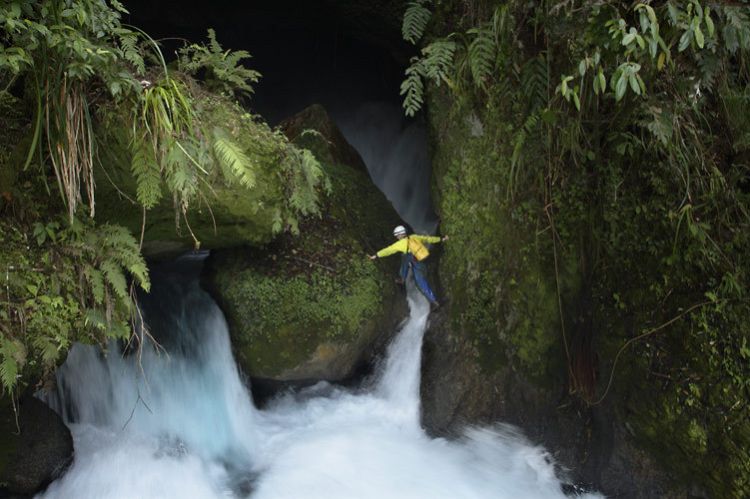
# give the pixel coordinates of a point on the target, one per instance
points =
(235, 164)
(482, 53)
(114, 246)
(534, 82)
(412, 88)
(95, 280)
(437, 61)
(147, 175)
(131, 52)
(416, 18)
(12, 358)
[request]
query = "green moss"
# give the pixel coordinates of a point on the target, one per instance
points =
(503, 296)
(283, 318)
(227, 216)
(316, 295)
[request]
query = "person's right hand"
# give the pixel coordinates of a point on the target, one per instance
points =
(372, 257)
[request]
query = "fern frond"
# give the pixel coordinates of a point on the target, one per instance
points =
(534, 82)
(213, 43)
(131, 52)
(47, 349)
(416, 18)
(224, 69)
(438, 60)
(115, 278)
(482, 55)
(147, 175)
(8, 373)
(303, 198)
(412, 88)
(126, 252)
(234, 162)
(96, 318)
(96, 282)
(13, 357)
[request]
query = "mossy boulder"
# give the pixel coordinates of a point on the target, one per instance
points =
(313, 306)
(38, 453)
(227, 214)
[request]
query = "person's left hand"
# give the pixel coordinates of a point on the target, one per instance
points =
(445, 238)
(372, 257)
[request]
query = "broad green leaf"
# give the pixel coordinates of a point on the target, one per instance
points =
(699, 39)
(685, 40)
(634, 84)
(643, 19)
(622, 85)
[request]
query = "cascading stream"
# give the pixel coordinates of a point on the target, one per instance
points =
(181, 424)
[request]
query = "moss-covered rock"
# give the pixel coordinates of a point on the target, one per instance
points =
(312, 306)
(228, 214)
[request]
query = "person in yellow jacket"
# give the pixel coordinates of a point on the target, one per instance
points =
(414, 253)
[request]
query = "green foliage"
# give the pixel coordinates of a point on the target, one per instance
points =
(224, 70)
(613, 153)
(63, 283)
(415, 21)
(412, 89)
(481, 54)
(100, 94)
(474, 55)
(234, 162)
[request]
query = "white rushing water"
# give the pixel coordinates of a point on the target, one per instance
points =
(182, 425)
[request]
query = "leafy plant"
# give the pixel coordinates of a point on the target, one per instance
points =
(415, 21)
(603, 156)
(224, 71)
(70, 284)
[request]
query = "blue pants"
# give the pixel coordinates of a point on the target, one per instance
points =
(409, 262)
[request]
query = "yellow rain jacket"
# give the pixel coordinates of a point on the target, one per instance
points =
(410, 244)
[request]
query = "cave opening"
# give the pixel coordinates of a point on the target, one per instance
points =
(347, 56)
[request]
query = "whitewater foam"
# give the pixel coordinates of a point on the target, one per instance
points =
(181, 424)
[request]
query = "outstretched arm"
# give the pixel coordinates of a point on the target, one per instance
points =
(430, 239)
(398, 246)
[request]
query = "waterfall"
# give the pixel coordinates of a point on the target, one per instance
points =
(395, 152)
(178, 422)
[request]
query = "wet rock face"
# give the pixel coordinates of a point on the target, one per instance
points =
(39, 454)
(495, 354)
(313, 306)
(592, 451)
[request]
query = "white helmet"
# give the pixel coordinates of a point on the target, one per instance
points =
(399, 231)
